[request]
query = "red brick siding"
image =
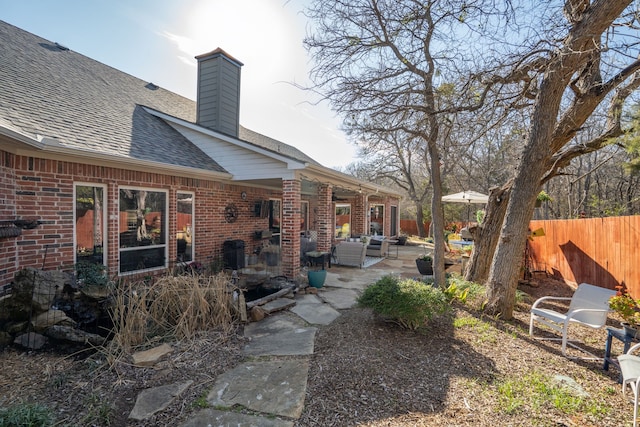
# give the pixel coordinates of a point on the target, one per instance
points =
(43, 190)
(290, 239)
(325, 218)
(8, 248)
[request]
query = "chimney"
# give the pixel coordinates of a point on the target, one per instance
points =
(218, 101)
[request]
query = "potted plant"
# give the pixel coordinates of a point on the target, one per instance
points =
(425, 265)
(628, 309)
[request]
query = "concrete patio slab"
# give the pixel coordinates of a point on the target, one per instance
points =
(272, 387)
(313, 310)
(339, 298)
(279, 335)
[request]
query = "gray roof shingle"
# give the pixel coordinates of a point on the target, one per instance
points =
(87, 105)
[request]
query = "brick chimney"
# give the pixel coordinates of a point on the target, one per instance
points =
(218, 101)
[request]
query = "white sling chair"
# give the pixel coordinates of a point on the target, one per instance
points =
(630, 368)
(589, 307)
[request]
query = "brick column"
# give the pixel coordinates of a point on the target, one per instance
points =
(324, 218)
(290, 228)
(360, 215)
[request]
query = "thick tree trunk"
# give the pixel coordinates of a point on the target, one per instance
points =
(547, 136)
(488, 234)
(507, 260)
(437, 212)
(420, 220)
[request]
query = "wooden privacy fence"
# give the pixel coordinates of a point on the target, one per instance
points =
(601, 251)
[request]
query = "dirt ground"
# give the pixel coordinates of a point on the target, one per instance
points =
(364, 372)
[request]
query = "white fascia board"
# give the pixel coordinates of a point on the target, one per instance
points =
(53, 147)
(291, 163)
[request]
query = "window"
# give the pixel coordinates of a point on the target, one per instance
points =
(143, 229)
(184, 226)
(376, 224)
(343, 221)
(304, 216)
(275, 215)
(89, 214)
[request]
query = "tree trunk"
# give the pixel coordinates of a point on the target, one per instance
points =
(420, 219)
(488, 234)
(437, 212)
(508, 257)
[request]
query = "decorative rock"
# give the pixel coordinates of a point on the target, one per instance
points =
(278, 305)
(5, 338)
(570, 385)
(38, 287)
(68, 333)
(94, 292)
(156, 399)
(52, 317)
(31, 340)
(257, 314)
(150, 357)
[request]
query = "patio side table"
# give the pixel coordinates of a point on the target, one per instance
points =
(316, 258)
(619, 335)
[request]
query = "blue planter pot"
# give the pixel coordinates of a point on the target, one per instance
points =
(317, 278)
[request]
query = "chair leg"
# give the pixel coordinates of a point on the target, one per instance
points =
(531, 326)
(565, 331)
(635, 406)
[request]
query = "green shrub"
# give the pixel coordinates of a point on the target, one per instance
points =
(410, 303)
(25, 414)
(89, 273)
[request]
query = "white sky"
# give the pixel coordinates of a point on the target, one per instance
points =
(157, 40)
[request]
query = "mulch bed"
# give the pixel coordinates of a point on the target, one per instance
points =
(364, 372)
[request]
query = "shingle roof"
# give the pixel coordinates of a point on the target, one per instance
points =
(86, 105)
(274, 145)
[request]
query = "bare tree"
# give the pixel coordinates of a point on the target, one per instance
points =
(568, 87)
(395, 62)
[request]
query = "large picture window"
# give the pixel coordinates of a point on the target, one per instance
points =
(184, 226)
(89, 223)
(143, 229)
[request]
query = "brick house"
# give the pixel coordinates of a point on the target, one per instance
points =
(101, 166)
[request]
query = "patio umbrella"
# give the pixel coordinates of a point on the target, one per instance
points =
(467, 197)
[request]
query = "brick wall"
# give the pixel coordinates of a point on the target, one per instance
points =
(290, 239)
(324, 218)
(43, 190)
(8, 264)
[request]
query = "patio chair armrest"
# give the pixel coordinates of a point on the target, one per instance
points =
(633, 348)
(545, 299)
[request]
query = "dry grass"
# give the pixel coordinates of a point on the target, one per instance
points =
(171, 308)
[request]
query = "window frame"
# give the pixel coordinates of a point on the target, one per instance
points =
(105, 239)
(335, 219)
(140, 248)
(193, 219)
